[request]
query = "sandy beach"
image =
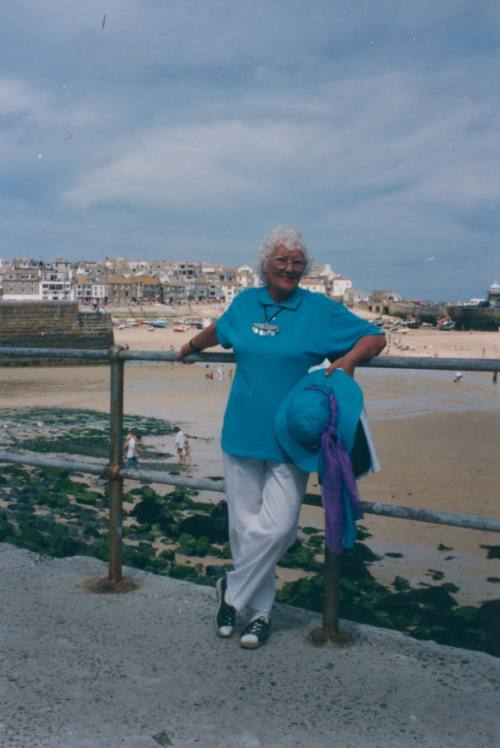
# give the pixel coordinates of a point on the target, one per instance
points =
(437, 440)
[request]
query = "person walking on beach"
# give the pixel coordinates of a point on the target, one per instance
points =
(277, 332)
(131, 442)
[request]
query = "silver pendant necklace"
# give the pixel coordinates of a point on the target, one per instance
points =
(265, 328)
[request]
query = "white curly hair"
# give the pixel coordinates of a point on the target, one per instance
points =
(285, 236)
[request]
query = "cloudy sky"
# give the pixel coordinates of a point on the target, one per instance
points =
(186, 129)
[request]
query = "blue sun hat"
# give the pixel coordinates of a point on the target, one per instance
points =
(316, 425)
(304, 416)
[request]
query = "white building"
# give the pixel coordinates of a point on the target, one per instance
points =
(246, 277)
(316, 285)
(339, 286)
(57, 285)
(229, 290)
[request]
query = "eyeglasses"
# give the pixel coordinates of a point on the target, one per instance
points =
(281, 263)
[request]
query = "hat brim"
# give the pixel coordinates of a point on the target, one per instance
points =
(349, 397)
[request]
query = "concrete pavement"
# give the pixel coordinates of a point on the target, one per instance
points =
(145, 669)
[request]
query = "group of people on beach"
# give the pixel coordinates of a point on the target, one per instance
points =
(217, 373)
(131, 448)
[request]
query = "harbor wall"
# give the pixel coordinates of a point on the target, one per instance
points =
(475, 318)
(51, 324)
(423, 312)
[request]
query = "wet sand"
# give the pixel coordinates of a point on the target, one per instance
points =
(424, 341)
(437, 442)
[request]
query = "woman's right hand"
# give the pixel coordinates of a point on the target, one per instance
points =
(206, 338)
(183, 352)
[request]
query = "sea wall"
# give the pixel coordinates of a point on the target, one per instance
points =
(475, 318)
(51, 324)
(423, 312)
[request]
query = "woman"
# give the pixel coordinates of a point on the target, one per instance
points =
(277, 332)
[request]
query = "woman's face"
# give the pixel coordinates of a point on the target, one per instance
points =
(285, 269)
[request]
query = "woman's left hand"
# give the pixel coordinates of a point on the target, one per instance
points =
(364, 350)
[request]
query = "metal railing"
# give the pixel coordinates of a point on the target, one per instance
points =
(115, 473)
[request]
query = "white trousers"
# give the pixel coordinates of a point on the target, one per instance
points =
(263, 500)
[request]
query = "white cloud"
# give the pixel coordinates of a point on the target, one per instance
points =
(182, 165)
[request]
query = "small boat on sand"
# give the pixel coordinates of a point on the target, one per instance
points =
(158, 323)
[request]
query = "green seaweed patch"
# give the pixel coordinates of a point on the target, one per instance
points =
(48, 418)
(184, 571)
(400, 583)
(428, 613)
(301, 556)
(74, 431)
(213, 524)
(195, 546)
(48, 537)
(493, 580)
(493, 550)
(435, 574)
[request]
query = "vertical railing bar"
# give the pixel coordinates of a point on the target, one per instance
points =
(115, 465)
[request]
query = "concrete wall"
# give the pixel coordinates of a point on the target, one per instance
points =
(423, 312)
(475, 318)
(50, 324)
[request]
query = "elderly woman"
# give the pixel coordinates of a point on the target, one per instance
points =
(277, 332)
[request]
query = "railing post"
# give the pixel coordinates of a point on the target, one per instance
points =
(331, 607)
(115, 465)
(331, 631)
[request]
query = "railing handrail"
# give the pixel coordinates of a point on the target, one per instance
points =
(397, 511)
(123, 354)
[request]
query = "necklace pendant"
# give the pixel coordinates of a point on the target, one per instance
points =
(264, 329)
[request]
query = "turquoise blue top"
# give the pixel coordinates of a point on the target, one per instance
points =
(311, 328)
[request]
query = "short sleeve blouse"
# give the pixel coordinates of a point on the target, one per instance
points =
(311, 328)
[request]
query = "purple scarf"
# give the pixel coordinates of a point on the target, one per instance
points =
(340, 492)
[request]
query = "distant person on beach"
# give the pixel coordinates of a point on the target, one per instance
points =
(180, 443)
(186, 457)
(277, 333)
(131, 442)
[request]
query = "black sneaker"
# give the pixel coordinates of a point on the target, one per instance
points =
(225, 614)
(256, 633)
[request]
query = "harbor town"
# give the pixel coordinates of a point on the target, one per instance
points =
(144, 287)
